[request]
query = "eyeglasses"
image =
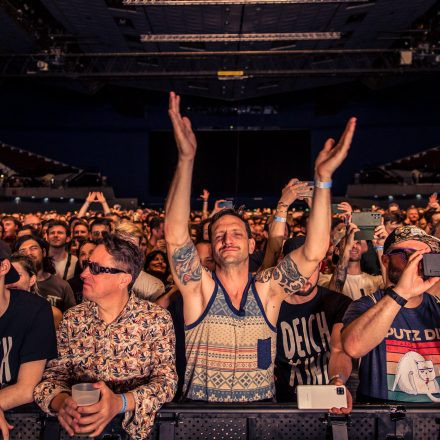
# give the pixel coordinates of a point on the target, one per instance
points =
(404, 253)
(96, 269)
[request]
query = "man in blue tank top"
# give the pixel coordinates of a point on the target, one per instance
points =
(230, 317)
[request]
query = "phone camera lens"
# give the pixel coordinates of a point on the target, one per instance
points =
(340, 391)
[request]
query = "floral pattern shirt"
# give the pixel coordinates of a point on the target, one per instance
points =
(135, 353)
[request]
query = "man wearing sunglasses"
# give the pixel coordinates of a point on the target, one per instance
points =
(396, 331)
(122, 344)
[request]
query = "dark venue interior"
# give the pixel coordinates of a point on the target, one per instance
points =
(88, 148)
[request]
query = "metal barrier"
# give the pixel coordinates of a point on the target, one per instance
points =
(260, 421)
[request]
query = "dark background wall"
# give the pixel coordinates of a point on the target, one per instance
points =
(110, 130)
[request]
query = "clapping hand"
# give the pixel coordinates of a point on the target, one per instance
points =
(183, 134)
(332, 155)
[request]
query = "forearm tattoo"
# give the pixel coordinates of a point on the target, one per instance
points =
(340, 277)
(288, 276)
(186, 263)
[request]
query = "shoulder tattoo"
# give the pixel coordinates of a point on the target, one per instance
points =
(287, 275)
(264, 276)
(186, 263)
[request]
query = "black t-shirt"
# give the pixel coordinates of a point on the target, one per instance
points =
(256, 260)
(57, 292)
(27, 333)
(303, 341)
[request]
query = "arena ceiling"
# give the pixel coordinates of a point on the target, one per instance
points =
(222, 49)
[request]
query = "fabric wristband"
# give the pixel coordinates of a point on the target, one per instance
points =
(378, 248)
(280, 219)
(323, 185)
(396, 297)
(124, 404)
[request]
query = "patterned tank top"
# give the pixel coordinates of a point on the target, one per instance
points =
(230, 352)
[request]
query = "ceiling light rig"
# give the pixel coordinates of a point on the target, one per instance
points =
(229, 2)
(221, 38)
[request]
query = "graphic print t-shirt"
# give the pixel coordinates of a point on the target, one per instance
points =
(303, 341)
(405, 366)
(27, 333)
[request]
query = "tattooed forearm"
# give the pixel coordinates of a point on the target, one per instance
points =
(186, 263)
(338, 280)
(264, 276)
(287, 275)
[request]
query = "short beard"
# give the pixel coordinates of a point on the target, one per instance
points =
(393, 274)
(307, 292)
(58, 246)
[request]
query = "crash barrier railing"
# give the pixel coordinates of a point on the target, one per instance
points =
(259, 421)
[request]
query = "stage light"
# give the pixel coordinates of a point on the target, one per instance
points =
(418, 196)
(228, 2)
(390, 197)
(17, 200)
(71, 200)
(224, 38)
(46, 200)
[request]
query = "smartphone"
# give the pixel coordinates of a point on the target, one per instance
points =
(321, 396)
(308, 191)
(431, 265)
(367, 222)
(228, 204)
(336, 210)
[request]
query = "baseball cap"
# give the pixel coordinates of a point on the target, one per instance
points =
(404, 233)
(5, 252)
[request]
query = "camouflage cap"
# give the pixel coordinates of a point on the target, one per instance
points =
(404, 233)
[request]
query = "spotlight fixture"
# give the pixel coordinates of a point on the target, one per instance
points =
(229, 2)
(224, 38)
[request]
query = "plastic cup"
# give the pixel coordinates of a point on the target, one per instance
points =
(85, 394)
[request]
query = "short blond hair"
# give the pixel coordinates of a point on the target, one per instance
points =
(128, 229)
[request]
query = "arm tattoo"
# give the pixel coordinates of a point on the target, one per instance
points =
(287, 275)
(186, 263)
(264, 276)
(340, 277)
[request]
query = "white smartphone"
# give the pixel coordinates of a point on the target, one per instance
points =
(321, 396)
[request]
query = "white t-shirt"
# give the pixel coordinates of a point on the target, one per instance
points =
(356, 286)
(60, 267)
(148, 287)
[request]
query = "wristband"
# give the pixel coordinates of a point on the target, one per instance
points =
(280, 219)
(323, 185)
(396, 297)
(124, 404)
(338, 376)
(378, 248)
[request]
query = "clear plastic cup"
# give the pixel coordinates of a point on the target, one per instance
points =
(85, 394)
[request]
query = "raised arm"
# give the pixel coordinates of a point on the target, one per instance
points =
(100, 198)
(345, 246)
(367, 331)
(184, 260)
(278, 226)
(89, 199)
(292, 272)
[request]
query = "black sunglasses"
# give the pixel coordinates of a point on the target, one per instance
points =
(96, 269)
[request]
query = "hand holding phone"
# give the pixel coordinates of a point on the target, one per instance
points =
(321, 396)
(226, 204)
